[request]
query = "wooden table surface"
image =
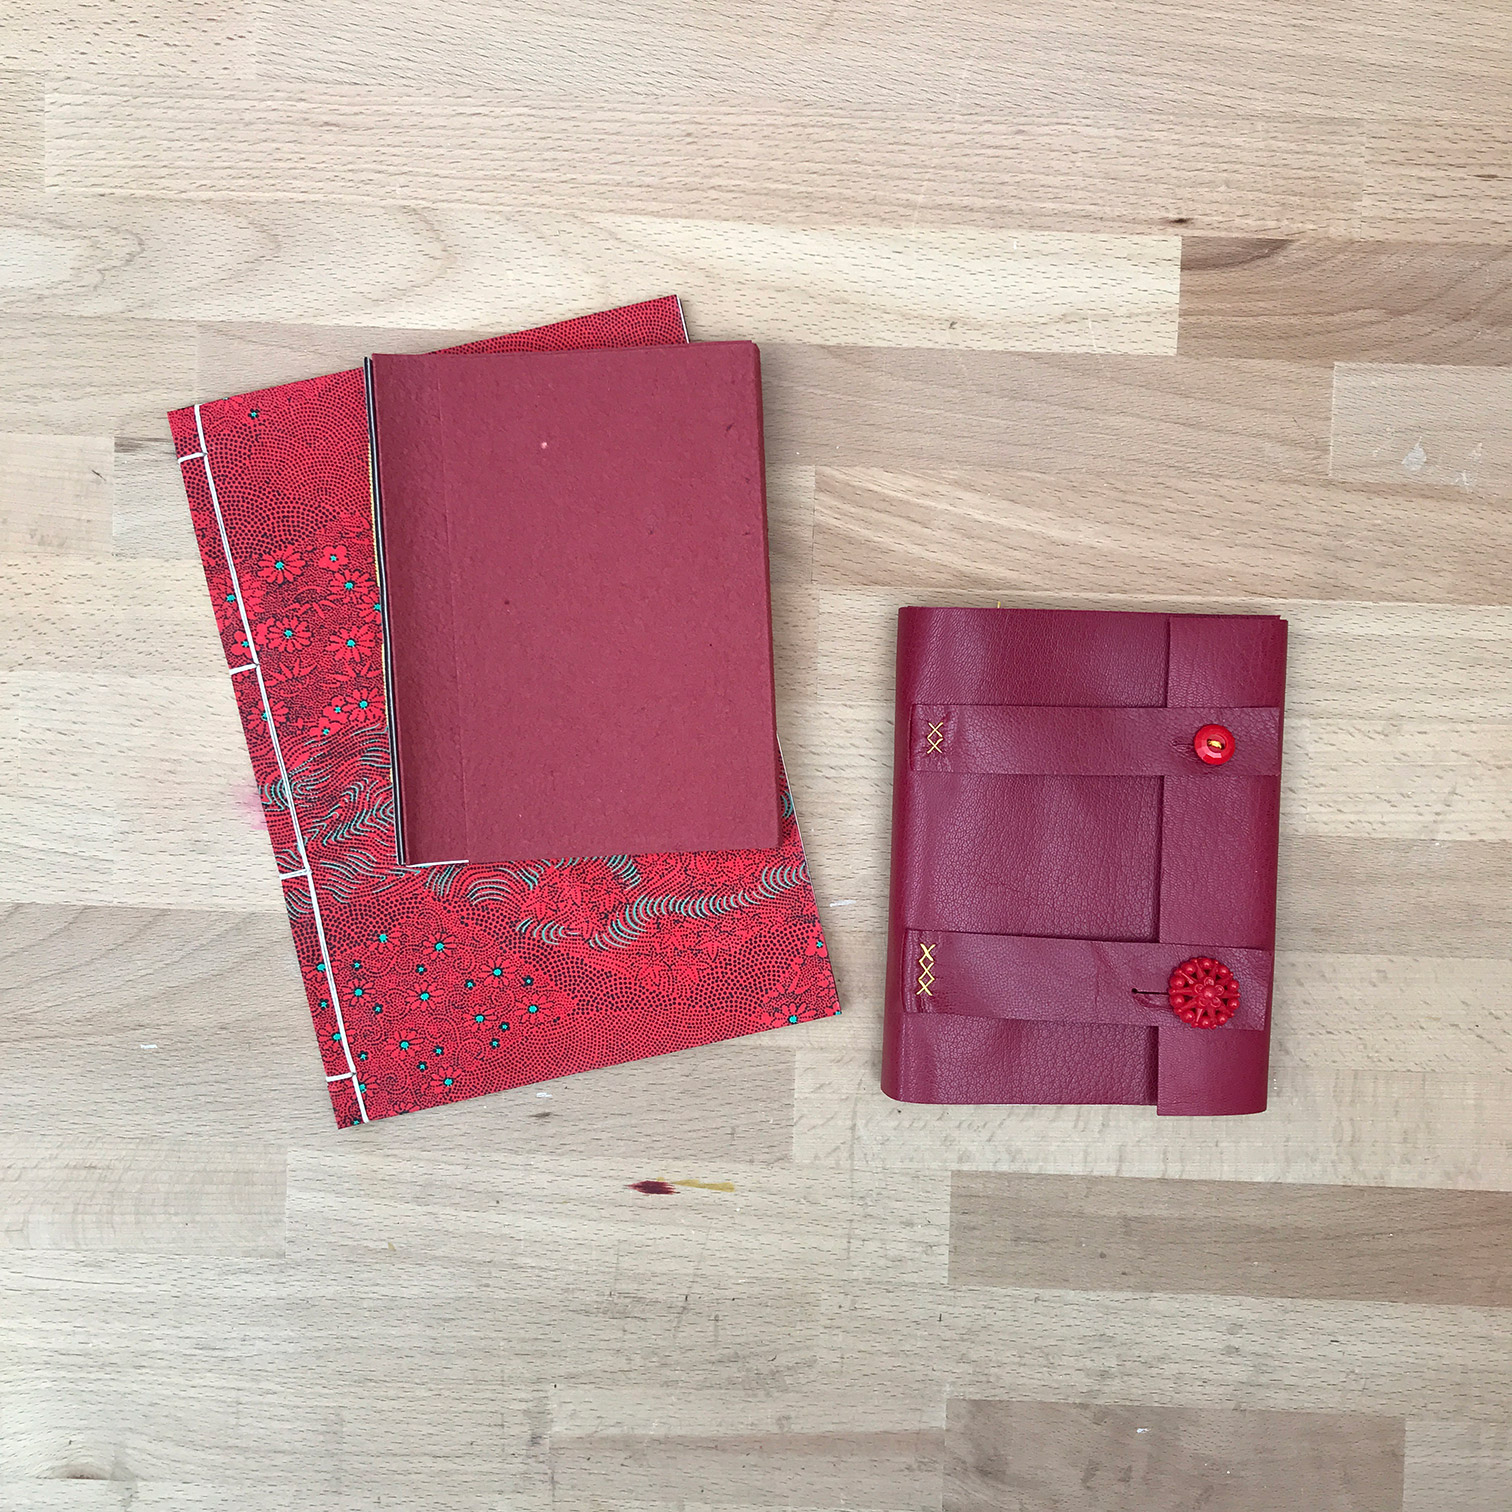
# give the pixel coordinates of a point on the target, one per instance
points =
(1163, 304)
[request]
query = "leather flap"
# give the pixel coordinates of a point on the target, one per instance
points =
(939, 1059)
(1185, 1072)
(1071, 981)
(1045, 741)
(1204, 1073)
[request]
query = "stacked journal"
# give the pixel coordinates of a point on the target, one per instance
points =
(498, 625)
(574, 561)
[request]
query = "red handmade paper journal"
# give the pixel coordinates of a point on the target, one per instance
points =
(574, 561)
(1085, 817)
(432, 984)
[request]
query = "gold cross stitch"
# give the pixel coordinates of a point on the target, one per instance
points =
(926, 969)
(935, 748)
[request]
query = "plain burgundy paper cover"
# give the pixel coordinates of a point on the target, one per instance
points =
(430, 985)
(575, 572)
(1058, 848)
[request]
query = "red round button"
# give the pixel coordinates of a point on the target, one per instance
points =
(1203, 993)
(1213, 744)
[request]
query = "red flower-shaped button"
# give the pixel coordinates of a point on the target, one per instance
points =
(1203, 993)
(1213, 744)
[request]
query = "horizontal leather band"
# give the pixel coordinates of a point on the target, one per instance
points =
(1034, 979)
(1055, 741)
(1185, 1072)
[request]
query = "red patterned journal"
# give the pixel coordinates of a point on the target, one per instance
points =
(1085, 814)
(574, 558)
(428, 985)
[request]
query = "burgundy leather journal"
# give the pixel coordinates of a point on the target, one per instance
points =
(574, 565)
(1085, 817)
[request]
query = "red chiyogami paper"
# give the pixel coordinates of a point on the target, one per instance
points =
(432, 984)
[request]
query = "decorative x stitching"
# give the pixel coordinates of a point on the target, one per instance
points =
(926, 969)
(935, 746)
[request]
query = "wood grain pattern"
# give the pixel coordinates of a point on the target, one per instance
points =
(1158, 306)
(1405, 1014)
(149, 832)
(1268, 1354)
(148, 37)
(1392, 1013)
(798, 164)
(1231, 1238)
(55, 494)
(147, 517)
(1344, 660)
(1046, 1456)
(93, 377)
(1365, 58)
(253, 261)
(237, 357)
(280, 1428)
(734, 1220)
(1325, 1124)
(814, 1469)
(1457, 1467)
(142, 1197)
(861, 407)
(1394, 779)
(70, 616)
(21, 133)
(1443, 174)
(1436, 428)
(790, 524)
(1339, 301)
(1378, 896)
(1131, 531)
(143, 1023)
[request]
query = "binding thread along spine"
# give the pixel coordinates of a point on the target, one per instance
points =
(926, 969)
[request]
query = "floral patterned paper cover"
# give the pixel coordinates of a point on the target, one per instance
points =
(431, 984)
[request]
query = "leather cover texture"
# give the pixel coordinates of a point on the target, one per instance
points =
(1059, 849)
(574, 566)
(428, 985)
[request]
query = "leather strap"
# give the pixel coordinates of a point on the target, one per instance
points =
(1031, 978)
(1019, 741)
(1015, 999)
